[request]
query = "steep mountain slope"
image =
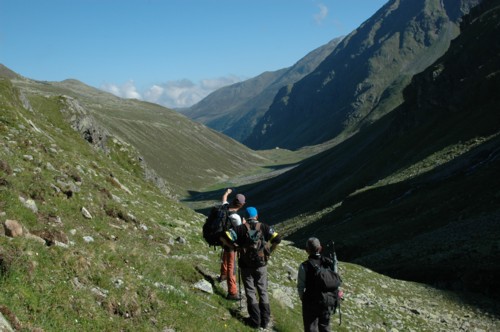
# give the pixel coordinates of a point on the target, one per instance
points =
(7, 73)
(235, 110)
(414, 195)
(179, 153)
(349, 89)
(86, 244)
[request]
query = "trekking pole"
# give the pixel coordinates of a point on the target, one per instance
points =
(333, 257)
(239, 279)
(340, 312)
(335, 263)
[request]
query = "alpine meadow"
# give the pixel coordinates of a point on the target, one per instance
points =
(385, 141)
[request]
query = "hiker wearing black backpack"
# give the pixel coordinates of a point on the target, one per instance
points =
(228, 265)
(255, 242)
(317, 285)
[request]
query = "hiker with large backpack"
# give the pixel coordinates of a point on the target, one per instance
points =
(228, 264)
(255, 242)
(318, 286)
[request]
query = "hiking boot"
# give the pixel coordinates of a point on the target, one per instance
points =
(233, 297)
(265, 315)
(249, 322)
(265, 327)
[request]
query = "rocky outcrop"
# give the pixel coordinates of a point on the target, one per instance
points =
(83, 122)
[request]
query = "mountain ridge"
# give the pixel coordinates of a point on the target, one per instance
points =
(234, 110)
(346, 91)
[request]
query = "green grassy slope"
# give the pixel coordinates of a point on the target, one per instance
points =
(188, 156)
(130, 267)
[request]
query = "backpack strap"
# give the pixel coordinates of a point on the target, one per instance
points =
(326, 262)
(257, 226)
(229, 213)
(310, 261)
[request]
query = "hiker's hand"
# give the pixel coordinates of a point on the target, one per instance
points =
(229, 190)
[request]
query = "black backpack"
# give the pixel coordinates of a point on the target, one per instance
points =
(327, 282)
(216, 224)
(255, 252)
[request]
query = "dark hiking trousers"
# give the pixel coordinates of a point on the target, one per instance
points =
(255, 282)
(316, 318)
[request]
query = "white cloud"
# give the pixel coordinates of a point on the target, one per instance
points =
(126, 90)
(323, 13)
(172, 94)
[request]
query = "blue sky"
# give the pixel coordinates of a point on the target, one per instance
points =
(171, 52)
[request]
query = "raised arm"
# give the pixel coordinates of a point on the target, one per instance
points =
(226, 195)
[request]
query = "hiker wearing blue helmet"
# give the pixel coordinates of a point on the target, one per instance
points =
(255, 242)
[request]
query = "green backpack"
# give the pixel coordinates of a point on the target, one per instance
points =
(255, 252)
